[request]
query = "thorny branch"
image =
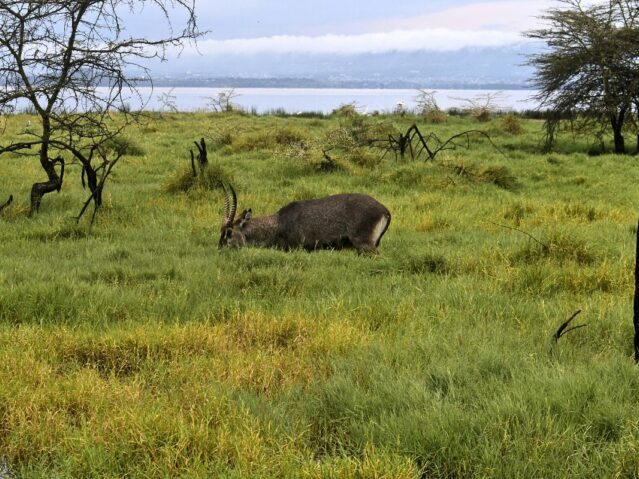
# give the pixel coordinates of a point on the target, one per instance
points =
(402, 143)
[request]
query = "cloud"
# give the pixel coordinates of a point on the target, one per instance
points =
(435, 39)
(511, 16)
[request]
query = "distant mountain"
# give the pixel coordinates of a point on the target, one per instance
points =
(468, 68)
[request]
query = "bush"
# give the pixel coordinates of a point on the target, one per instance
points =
(346, 110)
(290, 136)
(126, 145)
(560, 247)
(223, 137)
(364, 157)
(512, 124)
(269, 140)
(327, 165)
(436, 116)
(210, 178)
(482, 115)
(424, 264)
(498, 175)
(252, 142)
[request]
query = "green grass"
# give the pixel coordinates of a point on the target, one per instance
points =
(136, 348)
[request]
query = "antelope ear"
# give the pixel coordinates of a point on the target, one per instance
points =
(246, 216)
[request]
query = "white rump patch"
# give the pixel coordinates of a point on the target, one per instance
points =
(379, 229)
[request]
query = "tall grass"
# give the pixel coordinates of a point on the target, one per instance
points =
(136, 348)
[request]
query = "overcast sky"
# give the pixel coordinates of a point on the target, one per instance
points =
(357, 26)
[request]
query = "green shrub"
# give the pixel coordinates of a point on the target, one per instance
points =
(436, 117)
(498, 175)
(325, 162)
(269, 140)
(290, 136)
(125, 145)
(483, 115)
(346, 110)
(560, 247)
(253, 141)
(208, 179)
(425, 263)
(364, 157)
(512, 124)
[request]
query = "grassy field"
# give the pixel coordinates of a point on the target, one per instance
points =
(136, 348)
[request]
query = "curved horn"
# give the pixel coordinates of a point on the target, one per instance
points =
(233, 205)
(226, 204)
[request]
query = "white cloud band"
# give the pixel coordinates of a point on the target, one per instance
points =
(438, 39)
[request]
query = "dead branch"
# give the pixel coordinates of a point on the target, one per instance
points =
(328, 163)
(17, 147)
(96, 193)
(223, 101)
(451, 143)
(202, 156)
(168, 101)
(193, 164)
(402, 143)
(483, 106)
(562, 331)
(426, 102)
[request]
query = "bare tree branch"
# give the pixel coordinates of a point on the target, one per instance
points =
(71, 61)
(402, 143)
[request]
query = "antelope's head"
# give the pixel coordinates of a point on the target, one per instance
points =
(232, 231)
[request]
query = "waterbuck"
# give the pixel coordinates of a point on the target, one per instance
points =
(348, 220)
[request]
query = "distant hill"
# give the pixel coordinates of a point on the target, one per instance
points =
(468, 68)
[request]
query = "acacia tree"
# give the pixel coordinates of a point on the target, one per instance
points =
(590, 69)
(76, 65)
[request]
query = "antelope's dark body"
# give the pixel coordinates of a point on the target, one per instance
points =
(339, 221)
(349, 220)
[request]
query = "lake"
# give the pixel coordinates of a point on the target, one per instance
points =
(294, 100)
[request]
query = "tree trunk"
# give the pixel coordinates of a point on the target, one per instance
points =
(38, 190)
(616, 121)
(92, 181)
(620, 144)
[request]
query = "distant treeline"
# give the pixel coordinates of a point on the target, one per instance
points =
(455, 111)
